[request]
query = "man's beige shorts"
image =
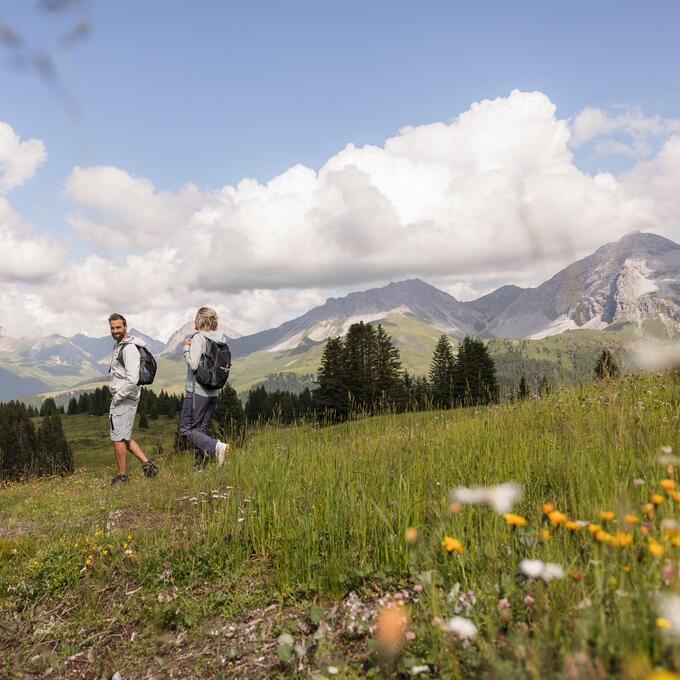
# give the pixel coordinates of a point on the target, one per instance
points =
(122, 419)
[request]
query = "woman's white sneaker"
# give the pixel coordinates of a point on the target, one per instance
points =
(221, 450)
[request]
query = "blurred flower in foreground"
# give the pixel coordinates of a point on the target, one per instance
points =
(451, 544)
(667, 484)
(669, 609)
(500, 497)
(514, 520)
(556, 518)
(411, 535)
(662, 675)
(607, 515)
(546, 571)
(461, 627)
(391, 625)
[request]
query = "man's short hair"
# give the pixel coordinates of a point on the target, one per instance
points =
(117, 317)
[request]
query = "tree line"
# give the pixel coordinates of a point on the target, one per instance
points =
(362, 373)
(97, 402)
(26, 451)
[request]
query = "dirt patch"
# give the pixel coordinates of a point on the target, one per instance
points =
(11, 528)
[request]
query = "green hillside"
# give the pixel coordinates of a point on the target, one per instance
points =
(563, 359)
(281, 563)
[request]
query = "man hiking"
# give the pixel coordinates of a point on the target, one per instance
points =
(125, 394)
(200, 400)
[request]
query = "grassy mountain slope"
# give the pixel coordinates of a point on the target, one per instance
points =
(303, 532)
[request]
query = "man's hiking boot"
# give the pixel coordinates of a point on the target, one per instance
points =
(221, 450)
(119, 479)
(201, 462)
(150, 469)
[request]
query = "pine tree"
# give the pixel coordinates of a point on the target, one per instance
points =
(442, 373)
(523, 391)
(48, 407)
(475, 379)
(229, 420)
(606, 366)
(545, 387)
(389, 386)
(360, 366)
(72, 406)
(143, 421)
(331, 395)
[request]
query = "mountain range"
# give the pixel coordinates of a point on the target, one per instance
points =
(634, 282)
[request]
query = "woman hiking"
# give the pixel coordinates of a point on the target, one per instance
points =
(200, 400)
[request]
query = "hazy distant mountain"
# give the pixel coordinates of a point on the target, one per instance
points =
(412, 297)
(55, 361)
(636, 279)
(174, 344)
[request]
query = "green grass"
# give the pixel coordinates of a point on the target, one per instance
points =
(300, 517)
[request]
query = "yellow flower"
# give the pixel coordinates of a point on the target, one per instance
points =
(607, 515)
(676, 541)
(656, 498)
(662, 675)
(548, 508)
(623, 540)
(544, 534)
(675, 495)
(411, 535)
(667, 484)
(88, 560)
(573, 526)
(631, 519)
(655, 548)
(663, 623)
(603, 537)
(626, 568)
(648, 508)
(556, 518)
(514, 520)
(594, 528)
(451, 544)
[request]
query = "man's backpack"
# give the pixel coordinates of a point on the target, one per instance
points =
(213, 367)
(147, 365)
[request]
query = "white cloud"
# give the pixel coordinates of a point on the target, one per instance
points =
(491, 197)
(24, 254)
(593, 123)
(18, 160)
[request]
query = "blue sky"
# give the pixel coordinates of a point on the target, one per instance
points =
(211, 92)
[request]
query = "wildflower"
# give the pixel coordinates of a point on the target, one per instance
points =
(543, 570)
(451, 544)
(548, 508)
(455, 508)
(461, 627)
(622, 539)
(648, 508)
(391, 624)
(529, 601)
(501, 497)
(576, 576)
(631, 519)
(669, 609)
(676, 541)
(603, 537)
(594, 528)
(638, 481)
(573, 526)
(504, 603)
(667, 484)
(88, 561)
(656, 498)
(514, 520)
(544, 534)
(655, 548)
(411, 535)
(607, 515)
(556, 518)
(626, 569)
(670, 528)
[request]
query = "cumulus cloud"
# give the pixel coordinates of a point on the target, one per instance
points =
(593, 123)
(492, 196)
(490, 192)
(18, 160)
(26, 255)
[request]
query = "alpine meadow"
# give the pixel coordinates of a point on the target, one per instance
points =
(339, 340)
